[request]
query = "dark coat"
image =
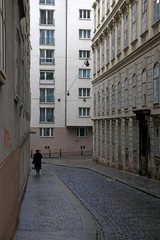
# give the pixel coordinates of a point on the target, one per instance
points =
(37, 160)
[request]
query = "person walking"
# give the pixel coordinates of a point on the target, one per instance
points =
(37, 161)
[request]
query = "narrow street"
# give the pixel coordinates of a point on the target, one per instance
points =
(71, 201)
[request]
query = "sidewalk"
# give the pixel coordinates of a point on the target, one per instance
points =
(50, 211)
(147, 185)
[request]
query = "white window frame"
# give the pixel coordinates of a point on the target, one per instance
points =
(43, 132)
(84, 112)
(47, 20)
(144, 15)
(84, 14)
(83, 54)
(82, 132)
(44, 39)
(47, 2)
(46, 96)
(84, 73)
(134, 22)
(47, 60)
(84, 34)
(45, 80)
(144, 87)
(84, 92)
(46, 112)
(156, 84)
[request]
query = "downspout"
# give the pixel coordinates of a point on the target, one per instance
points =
(66, 57)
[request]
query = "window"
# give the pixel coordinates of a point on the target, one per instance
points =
(102, 53)
(134, 137)
(126, 135)
(134, 91)
(113, 141)
(107, 100)
(156, 84)
(47, 56)
(108, 6)
(134, 12)
(46, 95)
(102, 101)
(156, 141)
(46, 77)
(82, 132)
(47, 115)
(46, 132)
(119, 96)
(47, 2)
(98, 103)
(2, 41)
(47, 17)
(85, 14)
(107, 49)
(94, 18)
(99, 12)
(94, 62)
(156, 10)
(84, 53)
(144, 88)
(94, 104)
(98, 58)
(113, 44)
(47, 37)
(84, 73)
(108, 139)
(125, 30)
(126, 94)
(84, 34)
(84, 112)
(103, 8)
(119, 134)
(113, 96)
(84, 92)
(144, 15)
(119, 38)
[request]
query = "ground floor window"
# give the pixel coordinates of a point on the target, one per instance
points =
(82, 132)
(46, 132)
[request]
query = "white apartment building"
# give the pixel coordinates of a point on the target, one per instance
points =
(126, 85)
(61, 33)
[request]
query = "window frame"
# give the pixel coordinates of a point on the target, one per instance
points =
(46, 110)
(47, 60)
(156, 11)
(42, 132)
(82, 95)
(47, 3)
(84, 112)
(144, 16)
(79, 132)
(2, 42)
(126, 94)
(45, 80)
(83, 12)
(134, 21)
(144, 87)
(84, 54)
(84, 34)
(46, 96)
(45, 40)
(84, 73)
(134, 90)
(156, 84)
(126, 30)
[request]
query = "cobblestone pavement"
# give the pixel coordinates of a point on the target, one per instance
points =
(123, 212)
(49, 211)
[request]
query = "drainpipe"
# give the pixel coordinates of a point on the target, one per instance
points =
(66, 55)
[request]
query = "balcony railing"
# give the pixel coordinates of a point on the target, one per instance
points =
(47, 41)
(47, 61)
(47, 81)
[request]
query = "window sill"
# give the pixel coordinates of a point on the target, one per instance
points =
(144, 33)
(134, 42)
(155, 24)
(2, 77)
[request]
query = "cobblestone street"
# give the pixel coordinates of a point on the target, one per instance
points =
(77, 199)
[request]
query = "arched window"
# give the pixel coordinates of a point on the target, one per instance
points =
(144, 87)
(156, 84)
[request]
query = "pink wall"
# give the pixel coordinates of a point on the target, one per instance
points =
(9, 199)
(65, 139)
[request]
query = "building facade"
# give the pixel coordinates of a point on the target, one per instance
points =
(60, 80)
(14, 110)
(126, 85)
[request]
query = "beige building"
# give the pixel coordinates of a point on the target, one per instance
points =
(14, 110)
(126, 87)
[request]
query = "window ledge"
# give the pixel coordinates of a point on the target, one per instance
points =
(155, 24)
(2, 77)
(125, 49)
(134, 42)
(144, 33)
